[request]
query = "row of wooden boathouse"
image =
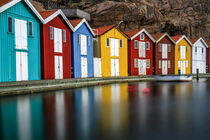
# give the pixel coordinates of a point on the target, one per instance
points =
(46, 45)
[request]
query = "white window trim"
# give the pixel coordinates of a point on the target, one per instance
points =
(141, 36)
(136, 42)
(136, 60)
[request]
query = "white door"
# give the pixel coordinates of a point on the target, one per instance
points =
(115, 67)
(183, 67)
(164, 67)
(21, 66)
(84, 69)
(183, 52)
(164, 51)
(142, 50)
(83, 45)
(114, 47)
(58, 67)
(21, 43)
(57, 40)
(97, 67)
(142, 66)
(20, 34)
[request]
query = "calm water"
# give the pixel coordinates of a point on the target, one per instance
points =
(118, 111)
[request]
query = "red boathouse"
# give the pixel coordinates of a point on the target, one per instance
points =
(140, 52)
(55, 45)
(164, 54)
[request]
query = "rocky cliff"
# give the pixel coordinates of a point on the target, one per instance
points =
(190, 17)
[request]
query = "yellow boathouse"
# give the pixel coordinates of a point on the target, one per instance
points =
(182, 54)
(110, 45)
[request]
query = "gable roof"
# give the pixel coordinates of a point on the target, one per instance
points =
(178, 38)
(3, 2)
(134, 33)
(102, 30)
(78, 22)
(195, 40)
(6, 4)
(160, 36)
(75, 22)
(51, 14)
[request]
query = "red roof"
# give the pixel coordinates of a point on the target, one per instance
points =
(3, 2)
(46, 14)
(176, 38)
(193, 40)
(75, 22)
(102, 30)
(132, 32)
(157, 36)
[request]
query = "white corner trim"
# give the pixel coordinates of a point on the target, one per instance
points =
(202, 40)
(145, 31)
(13, 2)
(84, 21)
(59, 12)
(184, 37)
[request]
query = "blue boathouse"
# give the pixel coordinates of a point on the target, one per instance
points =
(19, 41)
(82, 49)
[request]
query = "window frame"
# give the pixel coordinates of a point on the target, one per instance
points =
(9, 17)
(30, 26)
(107, 42)
(136, 47)
(136, 65)
(160, 48)
(121, 43)
(78, 38)
(64, 35)
(147, 43)
(159, 64)
(51, 33)
(195, 49)
(169, 64)
(148, 63)
(142, 36)
(169, 47)
(88, 40)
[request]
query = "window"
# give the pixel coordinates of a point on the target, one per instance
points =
(78, 38)
(51, 33)
(136, 63)
(196, 49)
(142, 36)
(10, 25)
(202, 50)
(147, 46)
(121, 43)
(148, 63)
(107, 42)
(64, 35)
(187, 64)
(169, 47)
(179, 48)
(169, 64)
(30, 28)
(88, 40)
(160, 48)
(186, 49)
(160, 64)
(136, 44)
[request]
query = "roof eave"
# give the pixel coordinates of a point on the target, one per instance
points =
(84, 21)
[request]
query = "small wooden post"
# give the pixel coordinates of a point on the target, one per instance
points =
(197, 74)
